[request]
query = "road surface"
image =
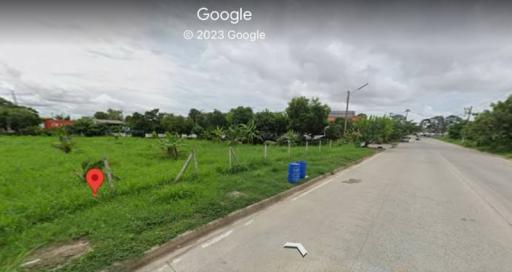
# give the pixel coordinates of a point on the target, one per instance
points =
(423, 206)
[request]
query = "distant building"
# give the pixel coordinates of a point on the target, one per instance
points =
(108, 122)
(337, 114)
(50, 123)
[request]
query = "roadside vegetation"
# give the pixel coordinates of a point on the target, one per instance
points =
(239, 157)
(43, 202)
(490, 130)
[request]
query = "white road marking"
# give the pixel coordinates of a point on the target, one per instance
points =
(30, 262)
(338, 175)
(216, 239)
(298, 246)
(164, 268)
(311, 190)
(364, 161)
(248, 222)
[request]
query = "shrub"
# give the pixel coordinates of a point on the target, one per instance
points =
(65, 144)
(170, 143)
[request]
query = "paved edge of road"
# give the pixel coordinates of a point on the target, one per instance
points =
(190, 236)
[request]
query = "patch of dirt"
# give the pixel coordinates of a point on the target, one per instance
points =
(351, 181)
(54, 256)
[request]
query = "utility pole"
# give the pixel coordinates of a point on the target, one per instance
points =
(407, 113)
(346, 108)
(346, 114)
(468, 112)
(14, 100)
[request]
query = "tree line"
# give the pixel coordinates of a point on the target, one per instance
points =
(302, 119)
(490, 129)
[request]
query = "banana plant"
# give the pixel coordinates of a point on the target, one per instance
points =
(170, 144)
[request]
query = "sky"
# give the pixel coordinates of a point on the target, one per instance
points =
(432, 57)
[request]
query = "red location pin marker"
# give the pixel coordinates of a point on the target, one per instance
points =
(94, 178)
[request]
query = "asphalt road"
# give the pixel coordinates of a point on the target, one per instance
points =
(423, 206)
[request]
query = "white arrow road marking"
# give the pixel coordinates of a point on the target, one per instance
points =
(298, 246)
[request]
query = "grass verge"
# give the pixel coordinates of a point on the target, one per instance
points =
(43, 202)
(470, 144)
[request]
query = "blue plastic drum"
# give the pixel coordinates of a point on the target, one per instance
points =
(293, 172)
(302, 169)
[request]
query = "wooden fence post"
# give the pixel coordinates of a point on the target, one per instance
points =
(230, 157)
(196, 165)
(265, 152)
(184, 167)
(307, 145)
(330, 144)
(320, 145)
(109, 174)
(289, 148)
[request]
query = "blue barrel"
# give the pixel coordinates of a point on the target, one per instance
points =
(302, 169)
(293, 172)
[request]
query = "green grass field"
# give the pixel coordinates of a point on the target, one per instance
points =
(43, 202)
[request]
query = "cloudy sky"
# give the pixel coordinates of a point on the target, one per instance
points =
(432, 57)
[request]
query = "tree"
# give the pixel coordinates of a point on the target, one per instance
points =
(176, 124)
(307, 116)
(152, 121)
(333, 131)
(195, 115)
(493, 128)
(17, 118)
(271, 124)
(454, 125)
(136, 123)
(111, 114)
(375, 130)
(239, 115)
(215, 119)
(86, 126)
(455, 130)
(101, 115)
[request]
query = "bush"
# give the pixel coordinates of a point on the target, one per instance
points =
(290, 136)
(65, 144)
(170, 143)
(33, 130)
(333, 132)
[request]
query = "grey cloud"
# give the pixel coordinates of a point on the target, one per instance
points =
(434, 58)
